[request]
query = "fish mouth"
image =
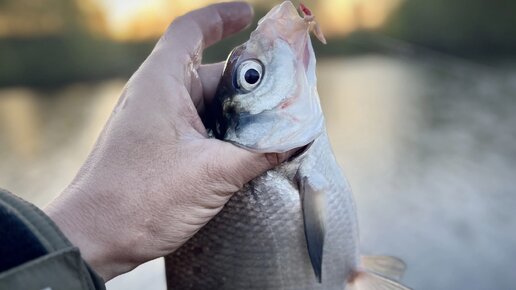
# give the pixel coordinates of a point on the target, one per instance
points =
(296, 34)
(289, 22)
(284, 22)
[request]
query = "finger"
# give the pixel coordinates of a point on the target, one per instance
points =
(209, 75)
(182, 44)
(206, 26)
(237, 166)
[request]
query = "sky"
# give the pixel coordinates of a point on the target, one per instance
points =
(136, 19)
(147, 19)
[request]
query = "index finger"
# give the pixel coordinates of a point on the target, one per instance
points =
(206, 26)
(189, 34)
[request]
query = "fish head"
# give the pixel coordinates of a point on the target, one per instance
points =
(267, 99)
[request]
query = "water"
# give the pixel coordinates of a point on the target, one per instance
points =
(427, 144)
(429, 150)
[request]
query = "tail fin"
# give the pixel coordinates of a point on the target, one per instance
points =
(387, 266)
(379, 273)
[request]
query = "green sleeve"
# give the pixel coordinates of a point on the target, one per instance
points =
(34, 253)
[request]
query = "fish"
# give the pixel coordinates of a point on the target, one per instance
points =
(295, 226)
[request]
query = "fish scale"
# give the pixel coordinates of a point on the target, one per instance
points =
(257, 241)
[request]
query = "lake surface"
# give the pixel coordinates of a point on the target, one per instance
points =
(428, 145)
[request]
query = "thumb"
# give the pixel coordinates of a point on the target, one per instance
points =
(237, 166)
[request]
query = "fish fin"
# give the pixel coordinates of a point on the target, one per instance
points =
(387, 266)
(370, 281)
(313, 198)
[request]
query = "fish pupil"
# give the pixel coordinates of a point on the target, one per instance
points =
(252, 76)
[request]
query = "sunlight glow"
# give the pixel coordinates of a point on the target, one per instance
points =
(136, 19)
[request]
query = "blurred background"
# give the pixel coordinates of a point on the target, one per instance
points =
(419, 96)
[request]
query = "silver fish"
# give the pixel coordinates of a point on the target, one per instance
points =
(295, 226)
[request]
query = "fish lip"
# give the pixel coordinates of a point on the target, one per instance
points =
(276, 18)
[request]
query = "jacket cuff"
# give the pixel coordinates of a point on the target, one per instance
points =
(34, 252)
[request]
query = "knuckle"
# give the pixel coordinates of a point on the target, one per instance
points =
(181, 22)
(218, 22)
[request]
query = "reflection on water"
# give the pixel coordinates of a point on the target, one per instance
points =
(429, 150)
(46, 135)
(428, 147)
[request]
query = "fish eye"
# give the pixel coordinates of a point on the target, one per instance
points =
(249, 75)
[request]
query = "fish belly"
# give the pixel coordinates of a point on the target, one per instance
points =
(257, 241)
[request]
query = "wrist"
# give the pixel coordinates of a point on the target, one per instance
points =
(84, 230)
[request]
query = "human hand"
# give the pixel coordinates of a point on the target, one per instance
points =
(154, 178)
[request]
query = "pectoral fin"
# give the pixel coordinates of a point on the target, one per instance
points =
(313, 196)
